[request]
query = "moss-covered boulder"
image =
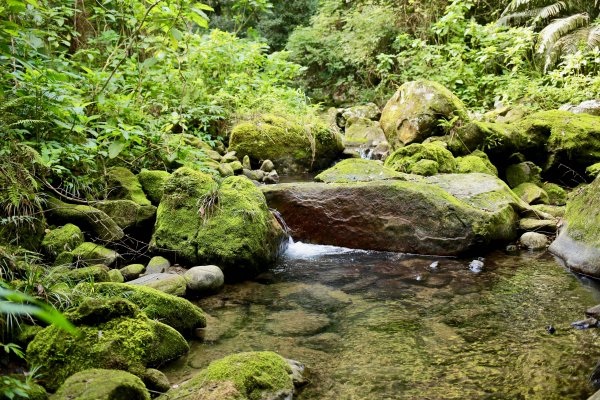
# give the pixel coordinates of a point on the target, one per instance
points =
(478, 161)
(122, 184)
(201, 222)
(153, 183)
(92, 253)
(446, 214)
(578, 242)
(102, 384)
(523, 172)
(128, 214)
(167, 283)
(293, 145)
(530, 193)
(113, 334)
(116, 276)
(156, 380)
(93, 273)
(405, 158)
(171, 310)
(65, 238)
(556, 194)
(361, 130)
(593, 170)
(157, 264)
(85, 217)
(358, 170)
(413, 113)
(132, 271)
(242, 376)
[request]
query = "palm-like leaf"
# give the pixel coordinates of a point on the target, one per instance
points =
(559, 28)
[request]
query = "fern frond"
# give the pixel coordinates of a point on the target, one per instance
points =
(559, 28)
(519, 17)
(551, 11)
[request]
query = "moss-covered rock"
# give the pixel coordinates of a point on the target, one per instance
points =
(65, 238)
(157, 264)
(555, 211)
(200, 222)
(405, 158)
(102, 384)
(94, 273)
(478, 161)
(122, 184)
(153, 183)
(173, 284)
(173, 311)
(116, 276)
(579, 240)
(125, 339)
(413, 113)
(132, 271)
(425, 167)
(156, 380)
(357, 170)
(92, 253)
(523, 172)
(128, 214)
(556, 195)
(593, 170)
(293, 145)
(362, 130)
(242, 376)
(86, 217)
(530, 193)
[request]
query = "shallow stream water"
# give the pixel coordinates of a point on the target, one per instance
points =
(373, 325)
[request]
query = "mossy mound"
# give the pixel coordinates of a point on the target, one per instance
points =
(92, 253)
(406, 158)
(357, 170)
(293, 145)
(153, 184)
(102, 384)
(556, 195)
(200, 222)
(86, 217)
(530, 193)
(593, 170)
(413, 113)
(127, 213)
(243, 376)
(65, 238)
(579, 241)
(478, 161)
(523, 172)
(362, 130)
(122, 184)
(132, 271)
(94, 273)
(116, 341)
(176, 312)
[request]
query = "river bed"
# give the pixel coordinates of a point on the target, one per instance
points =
(375, 325)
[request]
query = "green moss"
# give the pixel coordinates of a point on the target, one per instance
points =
(476, 162)
(66, 258)
(153, 184)
(425, 167)
(405, 158)
(593, 170)
(556, 194)
(132, 271)
(241, 236)
(116, 276)
(125, 342)
(85, 217)
(173, 284)
(173, 311)
(65, 238)
(157, 264)
(255, 375)
(127, 213)
(523, 172)
(293, 145)
(94, 273)
(583, 214)
(179, 216)
(102, 384)
(413, 113)
(88, 253)
(531, 193)
(124, 185)
(96, 311)
(357, 170)
(156, 380)
(555, 211)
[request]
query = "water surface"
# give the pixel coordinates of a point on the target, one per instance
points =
(373, 325)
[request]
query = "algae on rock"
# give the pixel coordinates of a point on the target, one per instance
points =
(153, 184)
(406, 158)
(65, 238)
(102, 384)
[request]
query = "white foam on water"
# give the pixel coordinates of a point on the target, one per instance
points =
(300, 250)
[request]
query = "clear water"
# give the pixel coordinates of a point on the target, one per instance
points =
(372, 325)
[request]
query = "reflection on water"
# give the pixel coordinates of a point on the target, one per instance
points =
(373, 325)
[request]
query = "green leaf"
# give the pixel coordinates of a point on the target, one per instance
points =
(115, 149)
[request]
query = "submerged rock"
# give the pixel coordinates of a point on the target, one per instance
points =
(122, 339)
(443, 215)
(413, 113)
(230, 225)
(292, 146)
(243, 376)
(578, 242)
(102, 384)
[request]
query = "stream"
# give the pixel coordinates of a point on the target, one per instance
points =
(376, 325)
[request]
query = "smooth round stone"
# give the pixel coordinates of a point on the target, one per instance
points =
(204, 279)
(534, 241)
(296, 323)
